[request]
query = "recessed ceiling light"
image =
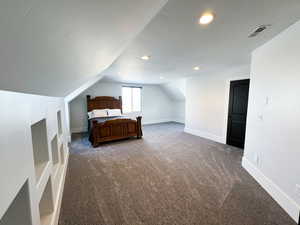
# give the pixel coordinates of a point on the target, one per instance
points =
(145, 57)
(206, 18)
(196, 68)
(161, 77)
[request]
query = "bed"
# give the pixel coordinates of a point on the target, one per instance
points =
(109, 128)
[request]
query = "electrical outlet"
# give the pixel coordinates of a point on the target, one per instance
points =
(298, 189)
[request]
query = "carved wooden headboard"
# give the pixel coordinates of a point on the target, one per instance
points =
(103, 102)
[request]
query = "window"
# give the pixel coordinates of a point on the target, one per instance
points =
(131, 99)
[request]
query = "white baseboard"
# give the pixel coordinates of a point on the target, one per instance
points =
(79, 129)
(205, 135)
(179, 120)
(288, 204)
(156, 121)
(60, 192)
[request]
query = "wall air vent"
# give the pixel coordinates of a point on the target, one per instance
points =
(258, 30)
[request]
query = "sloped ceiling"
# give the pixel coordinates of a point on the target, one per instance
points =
(52, 47)
(175, 89)
(177, 43)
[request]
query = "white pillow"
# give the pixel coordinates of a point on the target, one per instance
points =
(99, 113)
(90, 115)
(114, 112)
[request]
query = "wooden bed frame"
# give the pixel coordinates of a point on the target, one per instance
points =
(115, 129)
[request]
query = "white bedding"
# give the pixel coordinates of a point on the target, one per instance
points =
(103, 113)
(98, 113)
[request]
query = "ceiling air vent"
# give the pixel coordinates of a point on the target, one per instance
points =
(258, 30)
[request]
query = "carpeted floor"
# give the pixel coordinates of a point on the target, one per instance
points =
(168, 177)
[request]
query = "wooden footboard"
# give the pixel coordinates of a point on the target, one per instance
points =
(115, 130)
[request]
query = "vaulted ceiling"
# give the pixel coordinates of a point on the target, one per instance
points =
(51, 47)
(177, 43)
(60, 47)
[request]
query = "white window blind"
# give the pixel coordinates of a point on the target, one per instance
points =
(131, 99)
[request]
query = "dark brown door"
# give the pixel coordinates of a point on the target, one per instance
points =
(237, 113)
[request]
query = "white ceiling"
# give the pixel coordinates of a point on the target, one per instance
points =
(52, 47)
(177, 43)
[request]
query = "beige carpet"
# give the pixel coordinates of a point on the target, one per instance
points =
(168, 177)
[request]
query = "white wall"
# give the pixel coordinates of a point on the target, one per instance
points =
(156, 105)
(178, 111)
(272, 146)
(18, 113)
(176, 90)
(207, 103)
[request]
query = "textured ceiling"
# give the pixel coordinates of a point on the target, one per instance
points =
(177, 43)
(52, 47)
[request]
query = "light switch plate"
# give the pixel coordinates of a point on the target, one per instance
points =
(267, 101)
